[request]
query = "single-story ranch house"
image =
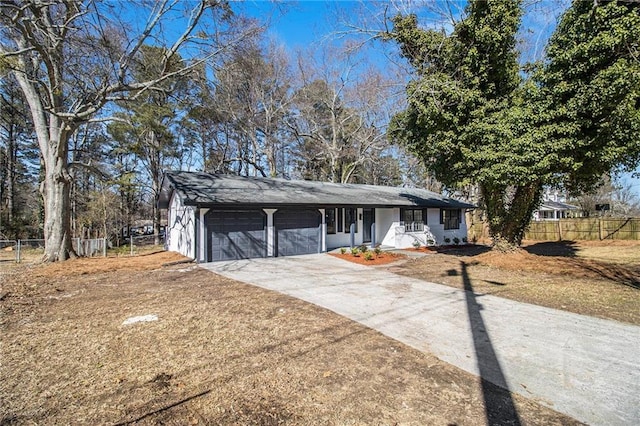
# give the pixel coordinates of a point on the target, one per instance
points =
(215, 217)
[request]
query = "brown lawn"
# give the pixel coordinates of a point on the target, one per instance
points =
(598, 278)
(221, 352)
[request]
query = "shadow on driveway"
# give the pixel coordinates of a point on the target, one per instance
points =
(499, 406)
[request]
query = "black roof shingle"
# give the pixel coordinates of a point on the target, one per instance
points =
(210, 190)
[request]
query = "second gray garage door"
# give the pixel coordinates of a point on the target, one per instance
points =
(236, 234)
(298, 232)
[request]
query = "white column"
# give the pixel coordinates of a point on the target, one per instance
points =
(323, 231)
(271, 232)
(202, 237)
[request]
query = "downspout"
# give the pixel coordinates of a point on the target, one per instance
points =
(196, 236)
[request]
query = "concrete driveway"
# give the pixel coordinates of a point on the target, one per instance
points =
(585, 367)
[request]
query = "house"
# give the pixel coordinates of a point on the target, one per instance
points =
(555, 210)
(554, 207)
(215, 217)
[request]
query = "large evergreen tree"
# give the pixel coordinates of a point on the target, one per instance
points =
(589, 102)
(472, 117)
(465, 116)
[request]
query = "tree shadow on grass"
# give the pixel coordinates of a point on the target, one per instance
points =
(464, 250)
(620, 274)
(553, 248)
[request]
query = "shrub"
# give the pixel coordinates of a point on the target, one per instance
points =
(343, 250)
(431, 242)
(456, 240)
(355, 251)
(447, 240)
(377, 251)
(363, 248)
(368, 256)
(465, 240)
(416, 244)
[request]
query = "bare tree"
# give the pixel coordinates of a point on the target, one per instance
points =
(622, 201)
(252, 95)
(341, 116)
(72, 57)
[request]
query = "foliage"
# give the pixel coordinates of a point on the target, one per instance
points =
(19, 161)
(589, 102)
(377, 250)
(73, 58)
(355, 251)
(338, 122)
(456, 240)
(368, 256)
(416, 244)
(343, 250)
(465, 115)
(473, 118)
(146, 125)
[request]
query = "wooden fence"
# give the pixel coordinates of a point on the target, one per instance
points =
(591, 228)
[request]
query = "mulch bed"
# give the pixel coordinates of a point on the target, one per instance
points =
(383, 258)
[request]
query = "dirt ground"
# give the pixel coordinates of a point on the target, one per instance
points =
(597, 278)
(220, 352)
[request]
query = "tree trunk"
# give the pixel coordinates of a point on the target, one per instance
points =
(509, 211)
(53, 139)
(56, 191)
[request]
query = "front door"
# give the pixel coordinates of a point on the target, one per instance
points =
(368, 218)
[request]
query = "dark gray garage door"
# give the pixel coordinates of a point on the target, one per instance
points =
(297, 232)
(236, 234)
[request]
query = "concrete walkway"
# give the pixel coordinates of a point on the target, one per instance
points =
(585, 367)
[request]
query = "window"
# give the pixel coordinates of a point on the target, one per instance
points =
(330, 220)
(450, 218)
(340, 219)
(414, 219)
(350, 216)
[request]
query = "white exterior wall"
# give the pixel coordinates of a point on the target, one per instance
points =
(387, 229)
(343, 239)
(438, 231)
(181, 226)
(389, 232)
(395, 235)
(407, 239)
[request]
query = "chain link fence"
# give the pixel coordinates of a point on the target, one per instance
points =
(32, 250)
(139, 242)
(8, 250)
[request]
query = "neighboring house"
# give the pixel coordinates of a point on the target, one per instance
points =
(554, 207)
(554, 210)
(215, 217)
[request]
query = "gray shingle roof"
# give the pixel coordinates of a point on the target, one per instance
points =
(208, 190)
(557, 205)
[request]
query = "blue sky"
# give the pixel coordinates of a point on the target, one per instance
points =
(297, 23)
(305, 23)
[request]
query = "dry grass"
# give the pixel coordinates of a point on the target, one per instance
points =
(601, 279)
(221, 352)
